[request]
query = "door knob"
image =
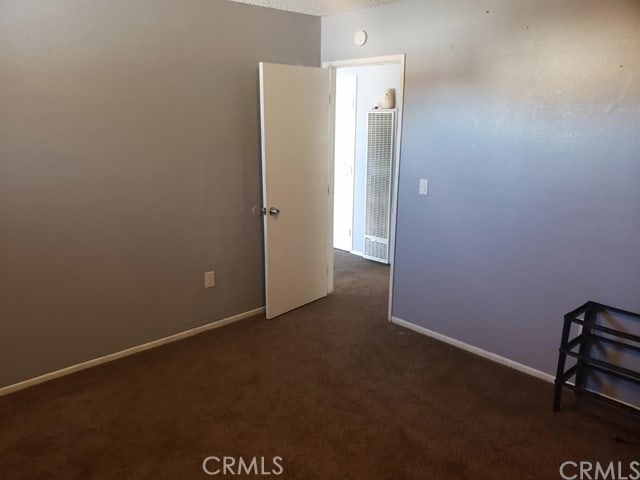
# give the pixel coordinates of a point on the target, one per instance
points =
(274, 212)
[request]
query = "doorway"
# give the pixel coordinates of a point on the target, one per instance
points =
(359, 88)
(295, 115)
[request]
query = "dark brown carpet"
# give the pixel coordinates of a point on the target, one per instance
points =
(333, 388)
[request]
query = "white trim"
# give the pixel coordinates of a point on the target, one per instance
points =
(355, 62)
(129, 351)
(356, 252)
(617, 400)
(332, 167)
(475, 350)
(396, 183)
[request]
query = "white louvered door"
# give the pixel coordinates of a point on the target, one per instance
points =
(379, 175)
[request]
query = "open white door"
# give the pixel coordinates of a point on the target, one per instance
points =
(295, 121)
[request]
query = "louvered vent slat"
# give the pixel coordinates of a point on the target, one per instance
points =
(380, 144)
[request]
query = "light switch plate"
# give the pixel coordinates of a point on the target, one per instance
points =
(209, 279)
(424, 186)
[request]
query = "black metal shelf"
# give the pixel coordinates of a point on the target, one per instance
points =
(592, 334)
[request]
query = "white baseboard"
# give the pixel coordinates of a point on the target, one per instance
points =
(356, 252)
(129, 351)
(475, 350)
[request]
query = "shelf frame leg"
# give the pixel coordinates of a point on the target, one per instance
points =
(562, 360)
(590, 318)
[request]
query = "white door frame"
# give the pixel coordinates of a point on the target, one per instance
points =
(348, 89)
(333, 65)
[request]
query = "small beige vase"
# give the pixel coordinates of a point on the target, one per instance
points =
(389, 98)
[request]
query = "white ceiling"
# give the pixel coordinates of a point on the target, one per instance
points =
(316, 7)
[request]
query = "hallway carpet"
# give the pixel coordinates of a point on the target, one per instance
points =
(332, 388)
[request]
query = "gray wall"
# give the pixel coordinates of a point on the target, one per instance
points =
(525, 116)
(129, 163)
(373, 82)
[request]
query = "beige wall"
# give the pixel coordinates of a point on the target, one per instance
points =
(129, 163)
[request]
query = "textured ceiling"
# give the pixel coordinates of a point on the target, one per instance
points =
(316, 7)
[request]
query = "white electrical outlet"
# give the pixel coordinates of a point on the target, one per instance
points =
(209, 279)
